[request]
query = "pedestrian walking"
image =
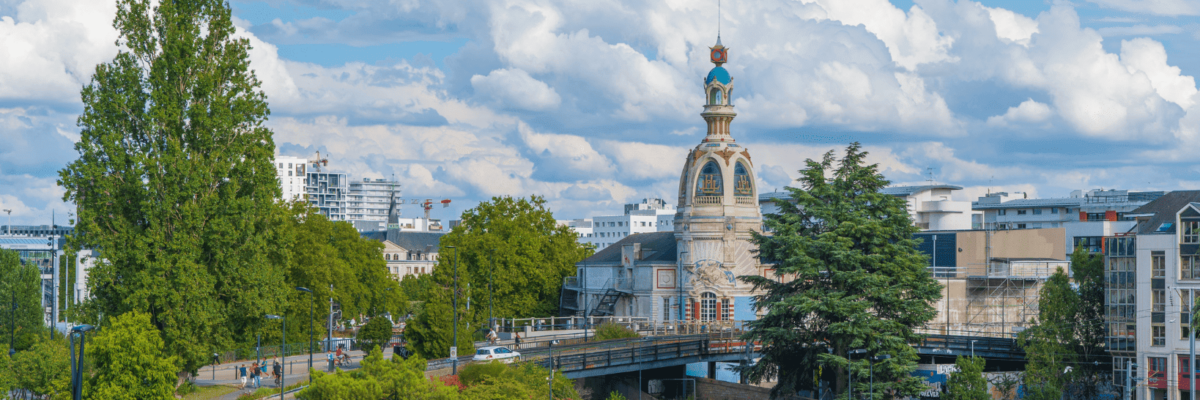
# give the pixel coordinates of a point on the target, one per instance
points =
(329, 354)
(242, 372)
(278, 372)
(254, 375)
(516, 340)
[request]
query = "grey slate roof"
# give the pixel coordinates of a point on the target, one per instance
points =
(658, 247)
(409, 240)
(1164, 209)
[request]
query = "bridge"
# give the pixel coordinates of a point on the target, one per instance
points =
(576, 358)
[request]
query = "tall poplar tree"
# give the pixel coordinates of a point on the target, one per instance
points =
(847, 277)
(174, 182)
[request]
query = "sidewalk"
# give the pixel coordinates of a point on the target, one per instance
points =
(295, 370)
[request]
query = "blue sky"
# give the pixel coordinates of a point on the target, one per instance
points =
(594, 104)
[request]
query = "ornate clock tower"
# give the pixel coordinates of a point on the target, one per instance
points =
(718, 204)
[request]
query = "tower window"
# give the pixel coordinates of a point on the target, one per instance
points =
(715, 97)
(742, 185)
(709, 182)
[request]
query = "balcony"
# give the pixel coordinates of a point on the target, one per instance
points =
(744, 200)
(707, 200)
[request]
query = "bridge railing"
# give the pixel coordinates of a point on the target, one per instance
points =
(509, 325)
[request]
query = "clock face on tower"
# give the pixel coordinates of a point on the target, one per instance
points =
(718, 55)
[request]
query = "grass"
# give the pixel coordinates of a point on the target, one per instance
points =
(209, 392)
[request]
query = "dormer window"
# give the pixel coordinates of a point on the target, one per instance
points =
(741, 177)
(709, 182)
(1191, 231)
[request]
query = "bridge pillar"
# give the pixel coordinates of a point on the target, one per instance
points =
(712, 370)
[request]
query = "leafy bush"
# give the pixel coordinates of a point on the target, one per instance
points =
(616, 396)
(474, 374)
(609, 331)
(377, 332)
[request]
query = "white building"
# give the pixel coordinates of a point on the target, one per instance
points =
(367, 203)
(651, 215)
(407, 253)
(1152, 274)
(290, 171)
(932, 207)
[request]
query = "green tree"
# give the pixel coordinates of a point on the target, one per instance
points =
(430, 332)
(320, 253)
(968, 383)
(1051, 343)
(521, 381)
(378, 378)
(44, 369)
(376, 332)
(20, 286)
(175, 182)
(531, 252)
(1095, 361)
(847, 276)
(129, 360)
(7, 380)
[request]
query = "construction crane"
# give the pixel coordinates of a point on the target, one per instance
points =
(319, 162)
(426, 204)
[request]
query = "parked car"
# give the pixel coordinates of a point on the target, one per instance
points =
(501, 353)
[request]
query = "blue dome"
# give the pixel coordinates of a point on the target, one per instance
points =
(719, 74)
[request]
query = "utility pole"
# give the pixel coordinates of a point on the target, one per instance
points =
(1192, 346)
(454, 301)
(54, 274)
(329, 339)
(491, 317)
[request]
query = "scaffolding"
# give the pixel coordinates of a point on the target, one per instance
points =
(1002, 298)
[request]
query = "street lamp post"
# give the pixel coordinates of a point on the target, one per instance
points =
(491, 315)
(454, 303)
(850, 370)
(76, 370)
(311, 305)
(872, 371)
(8, 228)
(282, 377)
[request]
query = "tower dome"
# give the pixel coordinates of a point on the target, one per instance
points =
(718, 74)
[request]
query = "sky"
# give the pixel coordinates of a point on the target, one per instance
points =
(594, 103)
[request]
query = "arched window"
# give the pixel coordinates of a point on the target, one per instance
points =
(709, 182)
(715, 97)
(708, 306)
(742, 185)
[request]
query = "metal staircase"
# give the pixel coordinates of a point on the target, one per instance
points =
(570, 306)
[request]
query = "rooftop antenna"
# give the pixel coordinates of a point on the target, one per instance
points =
(718, 20)
(929, 170)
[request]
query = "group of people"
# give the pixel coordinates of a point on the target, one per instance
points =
(256, 371)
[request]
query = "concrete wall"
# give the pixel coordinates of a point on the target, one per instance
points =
(1022, 243)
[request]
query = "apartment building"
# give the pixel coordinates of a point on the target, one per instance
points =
(651, 215)
(1152, 276)
(1086, 217)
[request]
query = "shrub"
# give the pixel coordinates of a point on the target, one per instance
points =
(609, 331)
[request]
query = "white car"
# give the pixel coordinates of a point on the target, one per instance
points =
(501, 353)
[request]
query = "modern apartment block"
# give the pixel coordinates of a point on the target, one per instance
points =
(291, 174)
(367, 202)
(327, 192)
(1152, 276)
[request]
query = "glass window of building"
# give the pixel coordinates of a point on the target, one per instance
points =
(1158, 264)
(709, 182)
(708, 306)
(742, 185)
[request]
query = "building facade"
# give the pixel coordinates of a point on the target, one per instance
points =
(1087, 217)
(407, 253)
(687, 273)
(326, 191)
(290, 172)
(931, 207)
(1152, 277)
(651, 215)
(367, 202)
